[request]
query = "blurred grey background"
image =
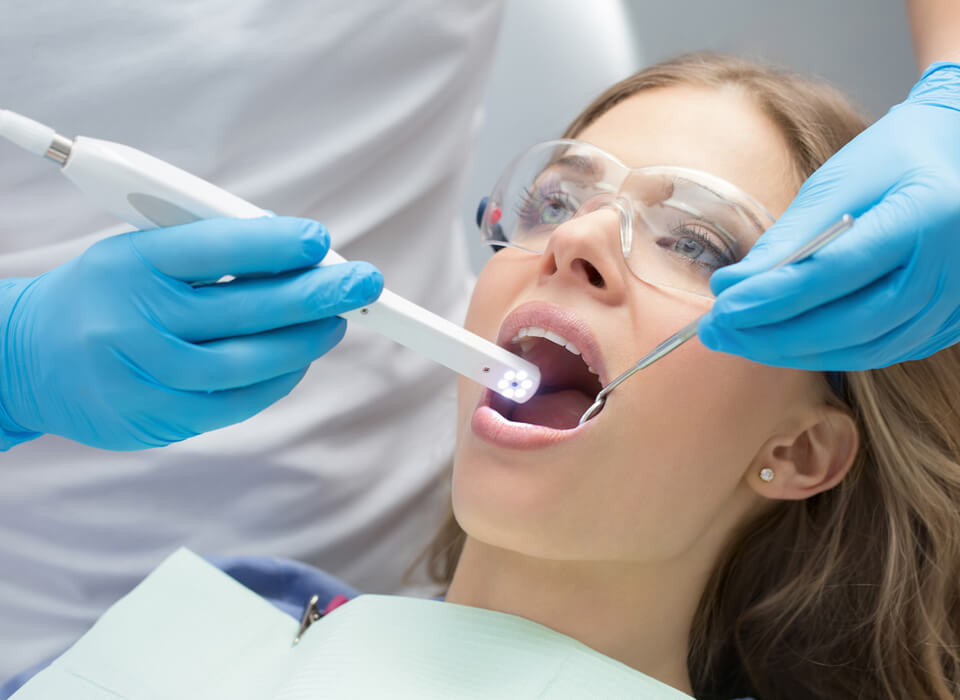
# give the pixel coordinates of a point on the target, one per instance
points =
(554, 56)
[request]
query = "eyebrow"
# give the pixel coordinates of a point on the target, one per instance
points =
(580, 164)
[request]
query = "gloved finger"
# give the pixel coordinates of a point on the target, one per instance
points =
(204, 411)
(873, 354)
(876, 244)
(846, 322)
(744, 344)
(209, 249)
(936, 329)
(948, 335)
(887, 322)
(249, 306)
(234, 362)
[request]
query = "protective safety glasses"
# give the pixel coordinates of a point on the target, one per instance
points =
(677, 225)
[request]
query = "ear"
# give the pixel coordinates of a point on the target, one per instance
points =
(811, 459)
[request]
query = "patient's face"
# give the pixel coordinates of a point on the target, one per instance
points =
(662, 468)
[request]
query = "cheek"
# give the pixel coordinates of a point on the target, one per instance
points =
(693, 394)
(694, 423)
(704, 408)
(682, 433)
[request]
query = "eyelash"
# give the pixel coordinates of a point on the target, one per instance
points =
(531, 199)
(691, 230)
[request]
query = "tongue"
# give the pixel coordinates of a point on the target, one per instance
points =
(561, 409)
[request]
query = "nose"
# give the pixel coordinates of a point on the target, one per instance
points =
(585, 252)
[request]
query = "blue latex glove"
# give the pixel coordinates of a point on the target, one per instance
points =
(887, 290)
(116, 349)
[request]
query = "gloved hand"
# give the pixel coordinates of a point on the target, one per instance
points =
(116, 349)
(887, 290)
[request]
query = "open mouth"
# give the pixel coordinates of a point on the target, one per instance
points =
(568, 385)
(563, 347)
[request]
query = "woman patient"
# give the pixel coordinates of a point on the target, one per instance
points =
(725, 527)
(655, 533)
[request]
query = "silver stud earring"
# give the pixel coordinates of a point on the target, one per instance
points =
(766, 474)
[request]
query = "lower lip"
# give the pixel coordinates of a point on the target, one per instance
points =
(490, 426)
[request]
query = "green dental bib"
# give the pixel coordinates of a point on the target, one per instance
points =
(190, 631)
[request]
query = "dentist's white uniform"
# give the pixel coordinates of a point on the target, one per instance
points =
(357, 114)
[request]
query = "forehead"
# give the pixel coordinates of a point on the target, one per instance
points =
(719, 131)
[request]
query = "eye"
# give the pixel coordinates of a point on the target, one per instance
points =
(555, 211)
(691, 247)
(551, 207)
(697, 245)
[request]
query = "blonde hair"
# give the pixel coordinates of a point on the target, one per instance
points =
(855, 592)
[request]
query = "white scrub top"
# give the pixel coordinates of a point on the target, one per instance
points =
(357, 114)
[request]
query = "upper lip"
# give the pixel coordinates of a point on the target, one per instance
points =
(559, 320)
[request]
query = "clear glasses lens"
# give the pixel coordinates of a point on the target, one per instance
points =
(676, 225)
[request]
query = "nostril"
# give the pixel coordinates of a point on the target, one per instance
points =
(593, 275)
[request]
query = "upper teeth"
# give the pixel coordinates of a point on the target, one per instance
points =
(538, 332)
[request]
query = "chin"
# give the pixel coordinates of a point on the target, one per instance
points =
(525, 516)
